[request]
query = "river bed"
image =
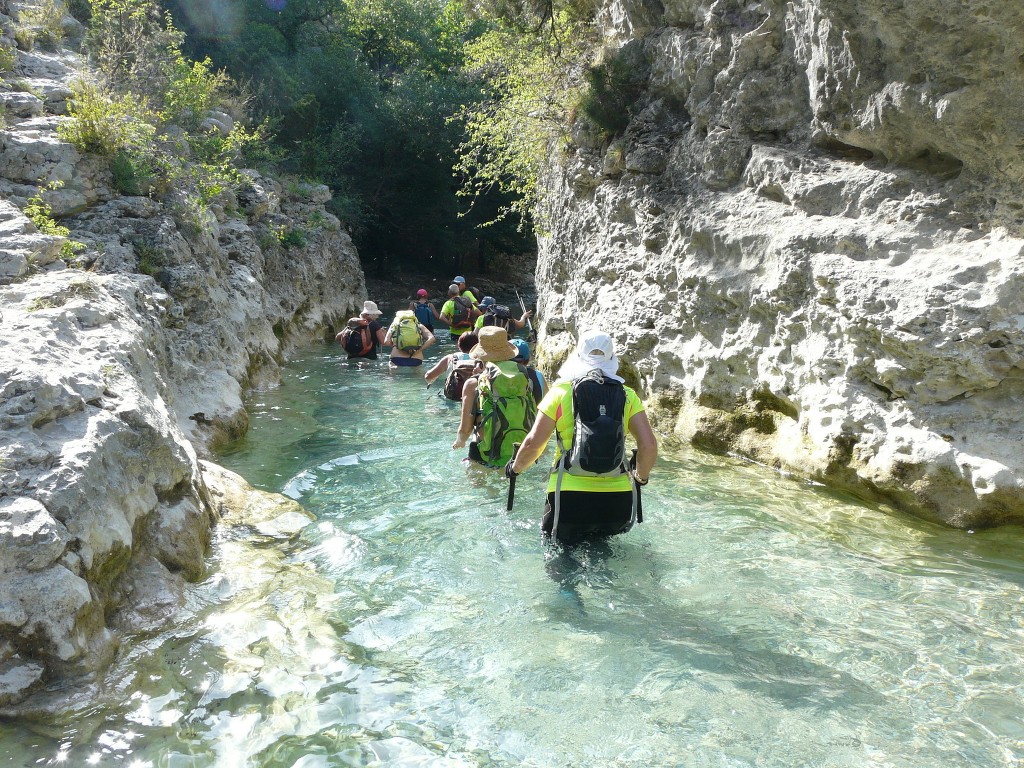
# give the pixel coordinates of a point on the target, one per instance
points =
(751, 620)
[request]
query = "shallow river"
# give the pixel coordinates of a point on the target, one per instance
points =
(752, 620)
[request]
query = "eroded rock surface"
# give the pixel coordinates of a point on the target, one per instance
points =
(808, 240)
(122, 365)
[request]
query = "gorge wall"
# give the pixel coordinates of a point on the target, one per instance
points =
(807, 240)
(121, 368)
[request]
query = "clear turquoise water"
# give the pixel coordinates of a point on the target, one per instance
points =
(753, 620)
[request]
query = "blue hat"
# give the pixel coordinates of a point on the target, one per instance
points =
(523, 347)
(487, 301)
(458, 279)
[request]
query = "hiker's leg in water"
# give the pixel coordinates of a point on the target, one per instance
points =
(582, 514)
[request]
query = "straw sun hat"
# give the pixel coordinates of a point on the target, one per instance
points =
(493, 346)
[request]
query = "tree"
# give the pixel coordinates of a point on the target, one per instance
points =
(362, 96)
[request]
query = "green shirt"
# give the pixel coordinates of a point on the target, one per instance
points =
(557, 405)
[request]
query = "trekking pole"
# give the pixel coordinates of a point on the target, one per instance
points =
(522, 305)
(637, 487)
(512, 481)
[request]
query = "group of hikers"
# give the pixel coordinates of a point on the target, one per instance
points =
(508, 413)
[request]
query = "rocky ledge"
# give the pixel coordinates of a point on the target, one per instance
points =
(121, 367)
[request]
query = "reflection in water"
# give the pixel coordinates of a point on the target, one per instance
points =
(749, 621)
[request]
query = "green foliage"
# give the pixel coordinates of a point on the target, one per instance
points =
(25, 38)
(614, 86)
(290, 237)
(193, 89)
(148, 256)
(44, 18)
(107, 124)
(531, 81)
(133, 174)
(8, 56)
(40, 213)
(148, 113)
(132, 44)
(361, 94)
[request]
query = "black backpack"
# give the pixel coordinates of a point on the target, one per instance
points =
(458, 374)
(462, 314)
(500, 315)
(357, 342)
(598, 436)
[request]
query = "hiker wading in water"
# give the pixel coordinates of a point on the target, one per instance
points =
(498, 408)
(593, 491)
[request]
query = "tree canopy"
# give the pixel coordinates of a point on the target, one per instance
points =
(371, 98)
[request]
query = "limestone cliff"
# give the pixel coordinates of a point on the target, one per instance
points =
(121, 366)
(807, 239)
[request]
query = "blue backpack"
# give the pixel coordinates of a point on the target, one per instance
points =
(423, 314)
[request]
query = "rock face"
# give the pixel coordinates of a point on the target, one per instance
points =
(119, 369)
(808, 240)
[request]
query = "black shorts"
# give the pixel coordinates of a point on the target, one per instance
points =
(586, 514)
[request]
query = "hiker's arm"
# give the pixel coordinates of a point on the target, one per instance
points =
(466, 424)
(437, 370)
(534, 443)
(433, 310)
(387, 341)
(522, 320)
(430, 339)
(646, 444)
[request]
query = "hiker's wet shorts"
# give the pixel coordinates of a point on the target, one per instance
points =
(406, 362)
(586, 514)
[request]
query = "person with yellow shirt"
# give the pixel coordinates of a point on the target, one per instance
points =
(593, 491)
(493, 313)
(458, 312)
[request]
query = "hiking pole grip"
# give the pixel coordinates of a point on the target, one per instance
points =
(512, 481)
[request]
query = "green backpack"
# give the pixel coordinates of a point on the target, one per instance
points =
(405, 332)
(505, 411)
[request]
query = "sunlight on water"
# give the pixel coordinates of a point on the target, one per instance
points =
(750, 621)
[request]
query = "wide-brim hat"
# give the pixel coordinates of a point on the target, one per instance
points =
(594, 350)
(370, 308)
(493, 345)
